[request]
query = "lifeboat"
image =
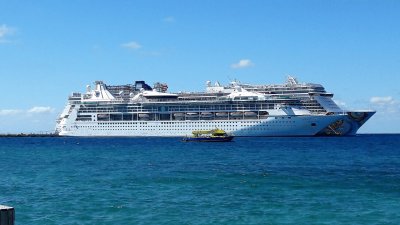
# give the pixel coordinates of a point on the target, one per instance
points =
(236, 114)
(206, 114)
(143, 116)
(192, 115)
(179, 114)
(221, 114)
(102, 116)
(250, 114)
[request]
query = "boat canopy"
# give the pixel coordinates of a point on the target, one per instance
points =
(214, 132)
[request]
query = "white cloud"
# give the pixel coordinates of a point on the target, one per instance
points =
(169, 19)
(243, 63)
(20, 112)
(386, 106)
(5, 31)
(40, 109)
(132, 45)
(382, 100)
(340, 103)
(9, 112)
(38, 119)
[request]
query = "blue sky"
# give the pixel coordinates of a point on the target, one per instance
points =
(49, 49)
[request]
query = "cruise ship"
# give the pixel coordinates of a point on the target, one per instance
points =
(137, 110)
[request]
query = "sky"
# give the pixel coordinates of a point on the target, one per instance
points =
(49, 49)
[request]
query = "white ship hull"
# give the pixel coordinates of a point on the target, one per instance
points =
(272, 126)
(137, 110)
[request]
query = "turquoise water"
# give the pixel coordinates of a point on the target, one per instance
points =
(347, 180)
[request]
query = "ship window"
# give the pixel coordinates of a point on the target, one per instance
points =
(313, 124)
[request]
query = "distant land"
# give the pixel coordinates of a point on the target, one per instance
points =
(30, 135)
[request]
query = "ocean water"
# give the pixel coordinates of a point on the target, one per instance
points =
(346, 180)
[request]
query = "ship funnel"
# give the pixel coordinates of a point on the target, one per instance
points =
(99, 85)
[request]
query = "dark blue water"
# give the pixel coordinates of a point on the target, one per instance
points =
(347, 180)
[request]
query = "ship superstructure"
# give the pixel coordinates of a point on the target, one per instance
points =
(312, 97)
(243, 110)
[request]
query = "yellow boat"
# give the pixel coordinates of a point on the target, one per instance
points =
(215, 135)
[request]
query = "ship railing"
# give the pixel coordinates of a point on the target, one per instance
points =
(76, 94)
(172, 110)
(166, 109)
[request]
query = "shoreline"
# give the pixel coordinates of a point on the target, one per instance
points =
(28, 135)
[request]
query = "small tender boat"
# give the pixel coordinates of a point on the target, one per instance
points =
(215, 135)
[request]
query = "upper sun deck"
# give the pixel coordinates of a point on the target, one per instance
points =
(292, 86)
(140, 92)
